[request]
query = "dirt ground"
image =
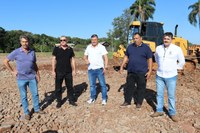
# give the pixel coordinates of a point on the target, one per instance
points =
(96, 118)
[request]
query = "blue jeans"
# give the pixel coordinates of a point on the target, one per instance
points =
(93, 76)
(32, 84)
(170, 84)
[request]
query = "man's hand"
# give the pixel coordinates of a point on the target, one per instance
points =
(87, 62)
(125, 61)
(148, 74)
(38, 78)
(73, 73)
(14, 73)
(121, 70)
(54, 74)
(105, 69)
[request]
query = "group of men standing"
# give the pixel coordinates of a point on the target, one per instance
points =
(138, 58)
(169, 58)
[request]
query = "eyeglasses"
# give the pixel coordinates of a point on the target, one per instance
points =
(64, 40)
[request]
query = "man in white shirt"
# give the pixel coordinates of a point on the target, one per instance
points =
(169, 58)
(96, 58)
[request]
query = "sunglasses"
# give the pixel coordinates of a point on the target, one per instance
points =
(63, 40)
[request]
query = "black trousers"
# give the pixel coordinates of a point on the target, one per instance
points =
(69, 84)
(136, 86)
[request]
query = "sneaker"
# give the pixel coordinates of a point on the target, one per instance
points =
(103, 102)
(91, 101)
(174, 118)
(27, 117)
(156, 114)
(125, 104)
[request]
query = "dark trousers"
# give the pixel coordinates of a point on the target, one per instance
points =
(69, 84)
(136, 86)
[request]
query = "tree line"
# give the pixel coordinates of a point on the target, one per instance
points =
(9, 40)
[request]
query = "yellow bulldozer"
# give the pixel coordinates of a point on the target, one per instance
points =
(152, 34)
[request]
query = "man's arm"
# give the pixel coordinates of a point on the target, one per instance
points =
(181, 59)
(150, 64)
(86, 59)
(37, 71)
(125, 60)
(73, 64)
(8, 66)
(105, 57)
(53, 62)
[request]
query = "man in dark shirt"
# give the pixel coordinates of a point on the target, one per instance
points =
(139, 58)
(63, 68)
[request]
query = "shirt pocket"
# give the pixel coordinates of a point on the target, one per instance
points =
(99, 53)
(171, 55)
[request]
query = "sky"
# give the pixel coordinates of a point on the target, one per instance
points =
(82, 18)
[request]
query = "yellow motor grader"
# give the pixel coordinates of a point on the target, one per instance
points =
(152, 34)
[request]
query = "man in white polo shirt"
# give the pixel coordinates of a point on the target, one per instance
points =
(96, 58)
(169, 58)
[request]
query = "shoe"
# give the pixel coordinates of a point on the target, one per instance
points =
(156, 114)
(125, 104)
(58, 105)
(91, 101)
(27, 117)
(174, 118)
(103, 102)
(40, 112)
(72, 103)
(138, 105)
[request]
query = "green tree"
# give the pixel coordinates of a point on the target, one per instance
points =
(194, 15)
(120, 30)
(142, 10)
(2, 36)
(11, 39)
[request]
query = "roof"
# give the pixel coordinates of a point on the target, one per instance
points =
(69, 44)
(106, 44)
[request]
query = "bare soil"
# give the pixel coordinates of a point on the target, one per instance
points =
(96, 118)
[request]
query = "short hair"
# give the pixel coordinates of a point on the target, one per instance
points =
(94, 35)
(25, 37)
(169, 34)
(137, 33)
(63, 36)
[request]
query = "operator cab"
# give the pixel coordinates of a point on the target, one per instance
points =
(150, 31)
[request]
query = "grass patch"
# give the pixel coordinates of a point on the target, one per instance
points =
(78, 54)
(110, 55)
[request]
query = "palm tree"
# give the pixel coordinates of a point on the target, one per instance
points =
(194, 14)
(143, 9)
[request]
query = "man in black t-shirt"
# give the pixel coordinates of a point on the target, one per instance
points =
(63, 68)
